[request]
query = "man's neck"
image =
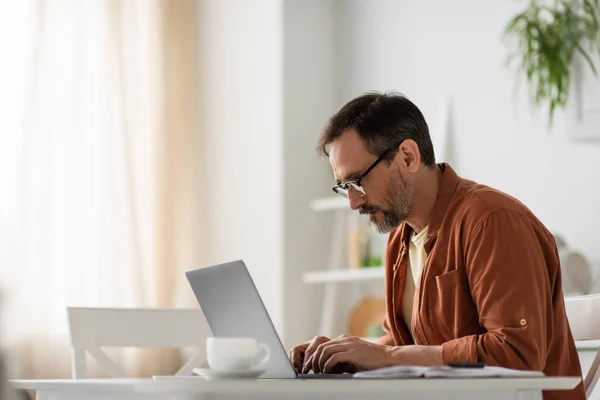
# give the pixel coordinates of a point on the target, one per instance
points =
(425, 198)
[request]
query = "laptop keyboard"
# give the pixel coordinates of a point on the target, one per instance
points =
(324, 376)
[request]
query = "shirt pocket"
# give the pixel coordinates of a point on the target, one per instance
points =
(451, 311)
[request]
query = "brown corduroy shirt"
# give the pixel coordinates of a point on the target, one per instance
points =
(490, 290)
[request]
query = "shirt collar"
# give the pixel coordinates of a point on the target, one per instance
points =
(446, 192)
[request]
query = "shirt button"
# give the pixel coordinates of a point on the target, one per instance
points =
(523, 322)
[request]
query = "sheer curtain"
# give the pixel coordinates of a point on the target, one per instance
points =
(106, 209)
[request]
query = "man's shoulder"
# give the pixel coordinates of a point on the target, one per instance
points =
(473, 202)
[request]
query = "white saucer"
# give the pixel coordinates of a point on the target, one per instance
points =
(211, 375)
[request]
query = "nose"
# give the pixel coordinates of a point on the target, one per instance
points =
(356, 201)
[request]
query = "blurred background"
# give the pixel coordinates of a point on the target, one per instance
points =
(141, 139)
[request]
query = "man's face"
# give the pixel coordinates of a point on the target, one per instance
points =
(389, 194)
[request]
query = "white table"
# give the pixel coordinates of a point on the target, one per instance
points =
(197, 388)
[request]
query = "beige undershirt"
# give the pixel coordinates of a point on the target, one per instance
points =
(416, 260)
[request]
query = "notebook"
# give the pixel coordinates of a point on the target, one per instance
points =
(410, 371)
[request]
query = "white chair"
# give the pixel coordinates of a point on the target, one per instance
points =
(6, 390)
(583, 313)
(94, 328)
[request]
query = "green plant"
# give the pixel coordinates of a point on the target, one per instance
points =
(548, 36)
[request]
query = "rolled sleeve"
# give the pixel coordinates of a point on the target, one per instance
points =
(461, 350)
(510, 283)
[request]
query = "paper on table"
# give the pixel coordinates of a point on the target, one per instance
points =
(492, 372)
(408, 371)
(399, 371)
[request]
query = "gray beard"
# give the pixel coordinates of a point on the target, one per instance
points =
(397, 206)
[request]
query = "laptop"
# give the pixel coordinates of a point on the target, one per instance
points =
(233, 308)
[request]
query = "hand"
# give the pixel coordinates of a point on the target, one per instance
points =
(344, 350)
(303, 351)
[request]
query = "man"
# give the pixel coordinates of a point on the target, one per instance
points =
(471, 274)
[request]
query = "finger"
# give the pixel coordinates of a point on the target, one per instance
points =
(316, 367)
(315, 358)
(328, 351)
(296, 355)
(312, 346)
(307, 365)
(318, 353)
(335, 359)
(296, 358)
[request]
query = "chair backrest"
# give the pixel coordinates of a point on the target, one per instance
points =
(582, 312)
(6, 390)
(94, 328)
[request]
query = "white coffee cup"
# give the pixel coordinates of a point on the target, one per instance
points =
(236, 354)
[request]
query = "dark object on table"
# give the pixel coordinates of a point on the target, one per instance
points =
(466, 365)
(344, 368)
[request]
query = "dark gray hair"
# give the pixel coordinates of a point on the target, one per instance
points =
(382, 120)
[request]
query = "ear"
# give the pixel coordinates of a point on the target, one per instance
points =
(409, 155)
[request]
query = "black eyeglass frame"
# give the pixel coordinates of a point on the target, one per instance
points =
(342, 188)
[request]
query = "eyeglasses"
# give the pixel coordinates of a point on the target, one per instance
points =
(342, 188)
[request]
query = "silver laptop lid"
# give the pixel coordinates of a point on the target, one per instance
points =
(233, 308)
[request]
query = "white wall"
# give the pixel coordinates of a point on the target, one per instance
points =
(275, 70)
(429, 47)
(308, 102)
(241, 61)
(268, 81)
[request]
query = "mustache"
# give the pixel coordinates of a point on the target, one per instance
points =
(369, 209)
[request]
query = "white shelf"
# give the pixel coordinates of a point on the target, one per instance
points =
(330, 203)
(344, 275)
